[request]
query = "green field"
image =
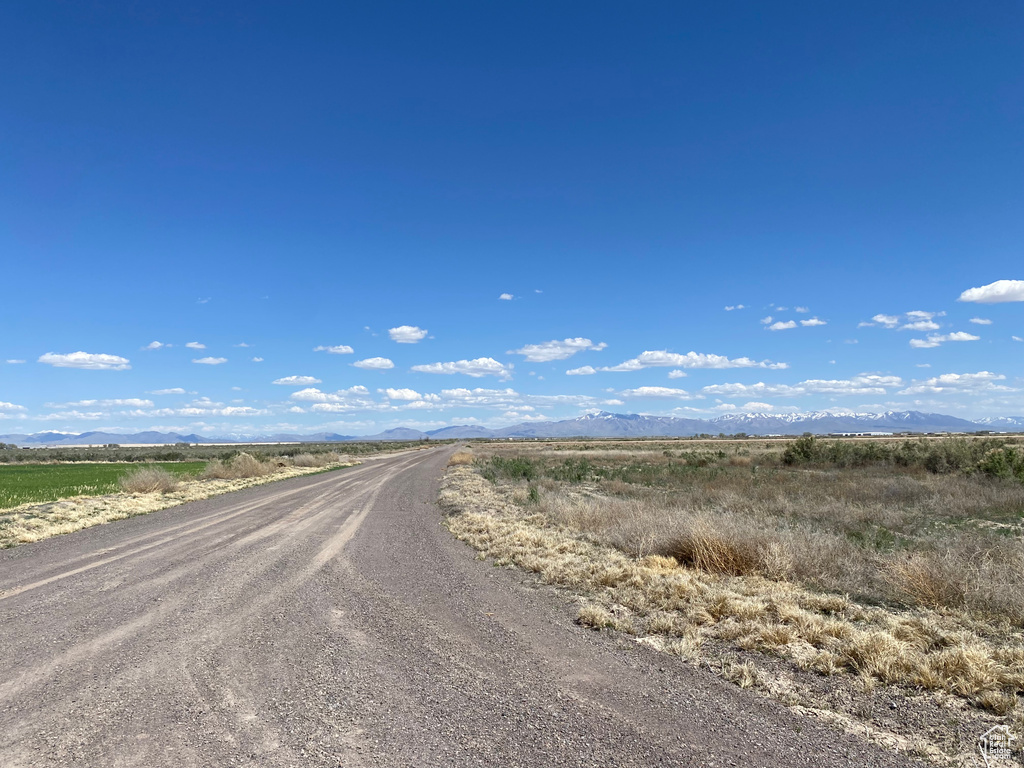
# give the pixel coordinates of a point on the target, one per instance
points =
(30, 483)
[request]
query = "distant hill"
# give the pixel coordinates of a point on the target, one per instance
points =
(602, 424)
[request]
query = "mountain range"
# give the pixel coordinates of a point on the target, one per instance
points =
(602, 424)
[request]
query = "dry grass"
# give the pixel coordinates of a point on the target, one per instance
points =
(149, 480)
(242, 466)
(671, 568)
(315, 459)
(460, 458)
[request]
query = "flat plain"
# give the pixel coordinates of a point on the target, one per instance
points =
(852, 578)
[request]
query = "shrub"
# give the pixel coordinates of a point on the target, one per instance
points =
(149, 480)
(460, 457)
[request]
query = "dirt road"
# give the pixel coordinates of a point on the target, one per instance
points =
(331, 621)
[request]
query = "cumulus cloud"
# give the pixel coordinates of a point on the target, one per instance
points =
(130, 402)
(920, 325)
(155, 345)
(86, 361)
(981, 321)
(15, 362)
(506, 297)
(663, 358)
(677, 374)
(11, 407)
(294, 381)
(210, 360)
(934, 340)
(481, 366)
(374, 364)
(886, 321)
(862, 384)
(732, 307)
(169, 391)
(801, 310)
(407, 334)
(995, 293)
(257, 359)
(314, 395)
(556, 350)
(1017, 338)
(657, 392)
(782, 325)
(812, 322)
(982, 381)
(586, 370)
(402, 394)
(195, 345)
(340, 349)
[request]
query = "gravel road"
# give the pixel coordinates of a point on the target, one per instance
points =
(332, 621)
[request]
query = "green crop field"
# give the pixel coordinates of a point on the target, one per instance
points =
(25, 483)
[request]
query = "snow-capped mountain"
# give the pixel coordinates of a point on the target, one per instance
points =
(603, 424)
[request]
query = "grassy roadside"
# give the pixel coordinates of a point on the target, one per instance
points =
(924, 679)
(33, 522)
(37, 483)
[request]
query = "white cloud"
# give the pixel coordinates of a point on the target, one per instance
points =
(374, 364)
(1017, 338)
(71, 416)
(995, 293)
(917, 314)
(15, 362)
(11, 407)
(731, 307)
(935, 340)
(170, 391)
(295, 381)
(802, 310)
(131, 402)
(296, 409)
(257, 359)
(243, 345)
(195, 345)
(210, 360)
(556, 350)
(981, 321)
(481, 366)
(340, 349)
(407, 334)
(352, 395)
(920, 325)
(402, 394)
(782, 326)
(586, 370)
(813, 322)
(983, 381)
(677, 374)
(86, 361)
(766, 320)
(506, 297)
(862, 384)
(657, 392)
(155, 345)
(886, 321)
(662, 358)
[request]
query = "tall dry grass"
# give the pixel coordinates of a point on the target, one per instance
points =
(149, 480)
(244, 465)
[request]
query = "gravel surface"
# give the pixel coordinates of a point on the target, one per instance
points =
(332, 621)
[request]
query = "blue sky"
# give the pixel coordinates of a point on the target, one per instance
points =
(267, 179)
